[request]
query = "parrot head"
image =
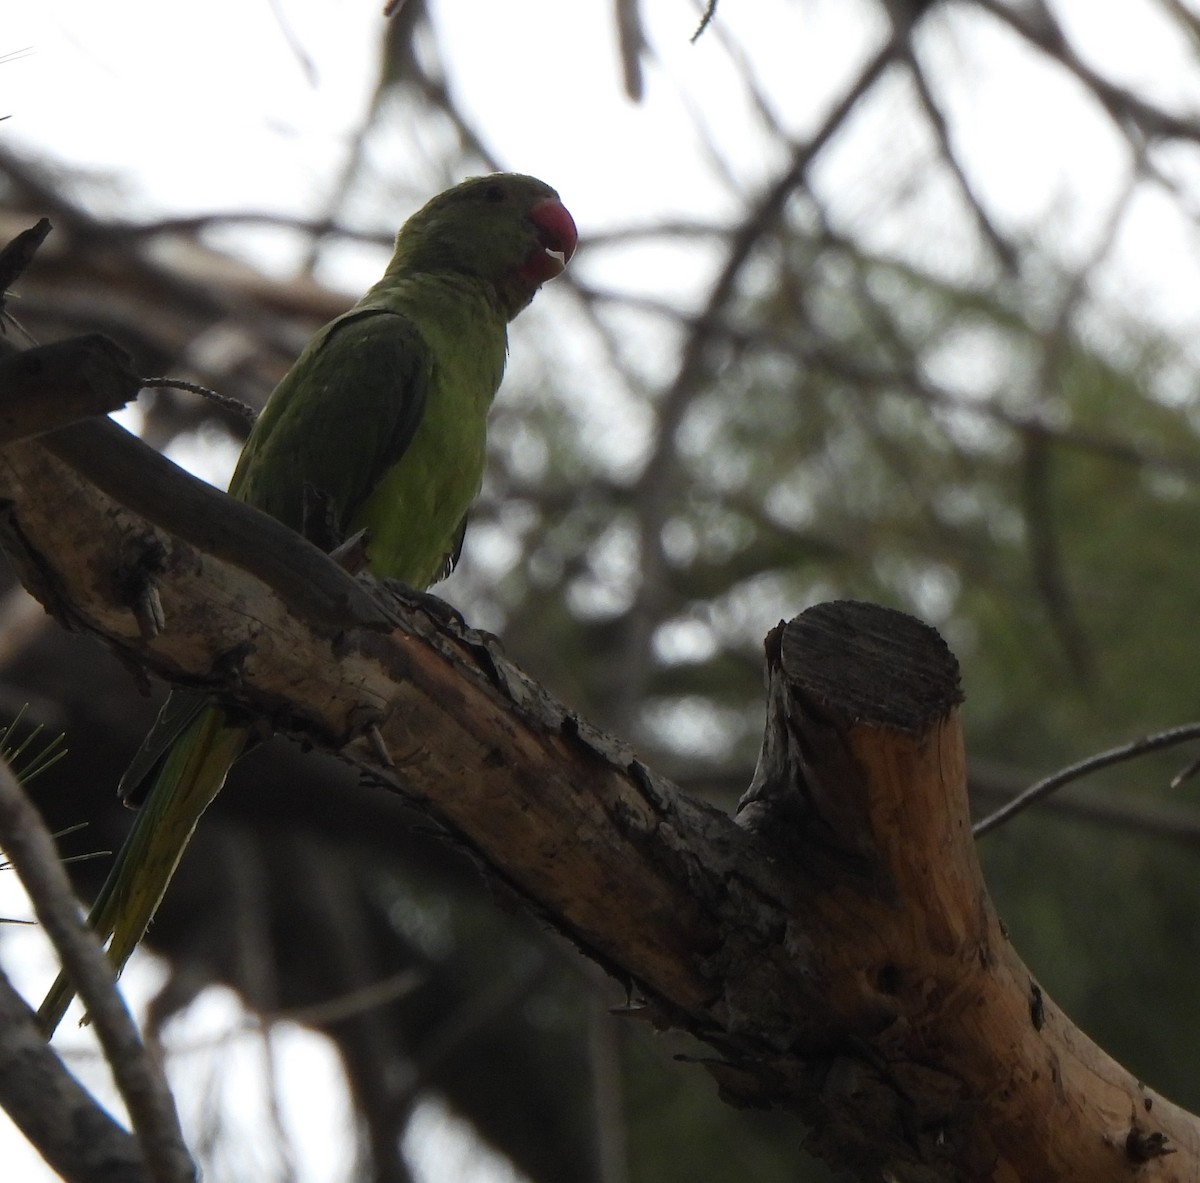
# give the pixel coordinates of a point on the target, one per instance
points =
(508, 230)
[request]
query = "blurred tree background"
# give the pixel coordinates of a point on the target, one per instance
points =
(879, 369)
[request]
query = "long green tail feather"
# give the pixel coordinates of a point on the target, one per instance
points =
(190, 778)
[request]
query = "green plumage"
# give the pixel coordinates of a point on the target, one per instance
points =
(382, 423)
(417, 462)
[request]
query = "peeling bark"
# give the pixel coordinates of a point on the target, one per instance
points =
(834, 944)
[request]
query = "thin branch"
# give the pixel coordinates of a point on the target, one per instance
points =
(631, 38)
(710, 10)
(1147, 819)
(303, 58)
(1185, 773)
(657, 479)
(907, 382)
(137, 1075)
(1035, 22)
(1001, 247)
(224, 401)
(84, 233)
(1049, 567)
(1046, 557)
(317, 1014)
(913, 385)
(353, 1002)
(435, 90)
(74, 1134)
(193, 224)
(1187, 18)
(1157, 742)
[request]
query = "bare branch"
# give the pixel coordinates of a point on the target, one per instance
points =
(1129, 751)
(18, 254)
(138, 1075)
(1046, 557)
(631, 38)
(1001, 247)
(1130, 114)
(224, 401)
(47, 1104)
(658, 474)
(710, 10)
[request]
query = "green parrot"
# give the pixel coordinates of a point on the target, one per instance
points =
(381, 424)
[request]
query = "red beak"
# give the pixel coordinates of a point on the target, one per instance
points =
(558, 236)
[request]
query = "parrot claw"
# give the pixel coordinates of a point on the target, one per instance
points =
(148, 611)
(364, 720)
(441, 613)
(379, 747)
(320, 518)
(352, 555)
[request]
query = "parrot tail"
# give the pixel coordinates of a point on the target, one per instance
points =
(190, 777)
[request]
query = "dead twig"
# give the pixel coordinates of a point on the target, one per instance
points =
(138, 1077)
(1043, 788)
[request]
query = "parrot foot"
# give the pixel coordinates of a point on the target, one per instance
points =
(433, 606)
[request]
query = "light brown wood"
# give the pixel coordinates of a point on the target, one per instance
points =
(962, 1055)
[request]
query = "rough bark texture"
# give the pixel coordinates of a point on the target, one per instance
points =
(834, 944)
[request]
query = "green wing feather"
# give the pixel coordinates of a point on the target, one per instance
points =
(341, 445)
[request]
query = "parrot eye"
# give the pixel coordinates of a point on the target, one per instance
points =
(494, 193)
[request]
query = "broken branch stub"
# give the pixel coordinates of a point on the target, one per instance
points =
(935, 1053)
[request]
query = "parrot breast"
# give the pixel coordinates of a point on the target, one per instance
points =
(415, 513)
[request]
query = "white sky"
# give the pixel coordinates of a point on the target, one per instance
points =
(200, 107)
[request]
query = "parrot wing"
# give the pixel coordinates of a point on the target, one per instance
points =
(341, 450)
(342, 416)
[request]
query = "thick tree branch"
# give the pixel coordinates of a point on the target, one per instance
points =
(834, 946)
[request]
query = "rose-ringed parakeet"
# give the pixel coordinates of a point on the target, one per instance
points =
(381, 422)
